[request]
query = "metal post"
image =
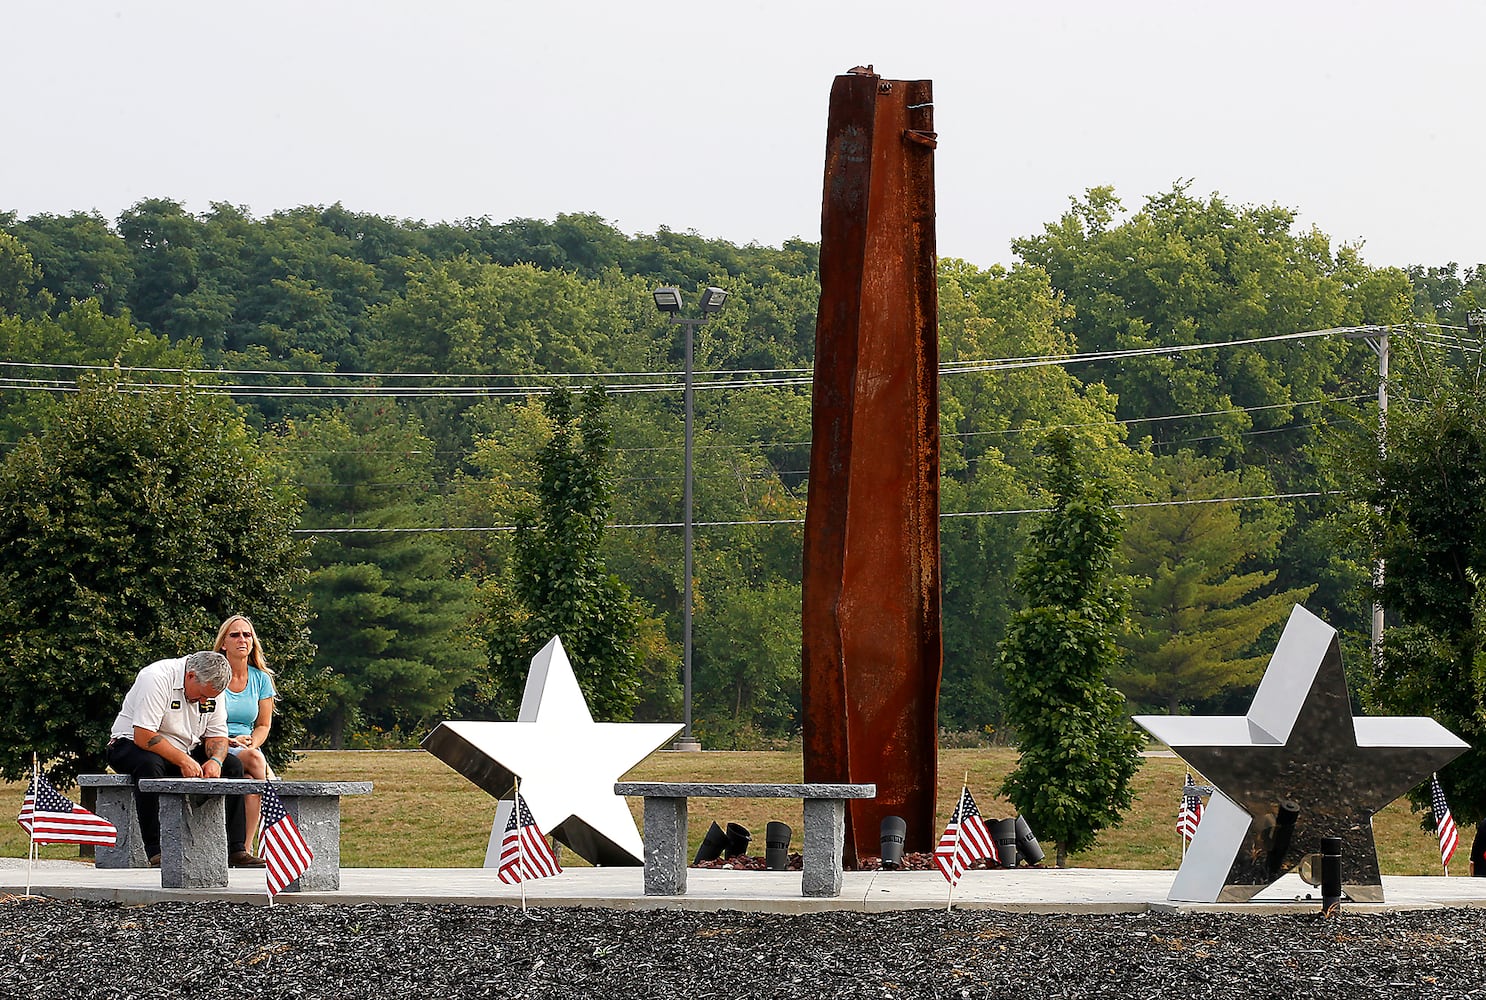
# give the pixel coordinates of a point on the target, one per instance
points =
(1381, 347)
(668, 301)
(1377, 339)
(687, 741)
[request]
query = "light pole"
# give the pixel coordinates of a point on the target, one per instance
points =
(668, 301)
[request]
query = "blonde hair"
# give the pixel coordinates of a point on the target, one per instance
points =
(256, 656)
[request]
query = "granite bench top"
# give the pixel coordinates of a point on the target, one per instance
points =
(720, 790)
(103, 780)
(250, 786)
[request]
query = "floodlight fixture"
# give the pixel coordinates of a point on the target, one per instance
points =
(713, 298)
(668, 299)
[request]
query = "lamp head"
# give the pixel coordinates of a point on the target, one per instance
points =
(713, 298)
(668, 299)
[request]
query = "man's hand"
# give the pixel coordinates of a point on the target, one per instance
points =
(191, 769)
(212, 768)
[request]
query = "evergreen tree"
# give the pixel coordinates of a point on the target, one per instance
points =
(391, 621)
(1078, 750)
(1201, 613)
(558, 584)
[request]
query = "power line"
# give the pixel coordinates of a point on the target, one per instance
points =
(801, 520)
(718, 379)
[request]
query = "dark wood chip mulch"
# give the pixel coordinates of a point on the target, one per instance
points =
(80, 951)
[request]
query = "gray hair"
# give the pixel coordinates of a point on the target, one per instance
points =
(211, 669)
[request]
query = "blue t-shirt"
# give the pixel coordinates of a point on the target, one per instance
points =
(242, 707)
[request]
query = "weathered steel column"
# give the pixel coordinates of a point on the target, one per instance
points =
(872, 648)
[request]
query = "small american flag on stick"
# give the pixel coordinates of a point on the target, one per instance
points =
(49, 817)
(965, 839)
(524, 853)
(1190, 813)
(1444, 823)
(280, 844)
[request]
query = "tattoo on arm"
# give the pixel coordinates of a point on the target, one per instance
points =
(153, 740)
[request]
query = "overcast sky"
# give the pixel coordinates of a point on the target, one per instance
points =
(1365, 117)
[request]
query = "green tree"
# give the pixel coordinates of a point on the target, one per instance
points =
(391, 621)
(131, 528)
(1201, 611)
(1078, 750)
(558, 584)
(990, 424)
(1417, 505)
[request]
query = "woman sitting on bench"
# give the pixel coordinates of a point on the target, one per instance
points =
(250, 695)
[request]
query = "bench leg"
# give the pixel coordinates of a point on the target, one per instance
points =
(117, 806)
(665, 846)
(825, 842)
(193, 841)
(319, 820)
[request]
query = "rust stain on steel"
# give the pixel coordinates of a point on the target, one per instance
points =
(872, 646)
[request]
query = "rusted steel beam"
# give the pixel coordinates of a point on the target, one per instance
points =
(872, 645)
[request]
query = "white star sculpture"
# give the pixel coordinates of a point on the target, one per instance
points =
(567, 763)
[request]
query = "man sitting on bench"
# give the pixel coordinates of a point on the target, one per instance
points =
(175, 722)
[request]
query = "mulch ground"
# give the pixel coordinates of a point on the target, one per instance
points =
(80, 951)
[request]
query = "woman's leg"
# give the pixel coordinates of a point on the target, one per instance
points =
(254, 766)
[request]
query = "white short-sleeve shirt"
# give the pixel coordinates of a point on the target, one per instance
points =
(157, 702)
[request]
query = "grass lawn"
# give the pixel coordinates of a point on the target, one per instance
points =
(424, 815)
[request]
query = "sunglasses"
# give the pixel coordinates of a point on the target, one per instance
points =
(239, 635)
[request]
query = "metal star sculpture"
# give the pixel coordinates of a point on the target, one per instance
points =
(566, 762)
(1298, 767)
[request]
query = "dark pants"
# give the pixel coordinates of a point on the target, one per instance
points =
(127, 758)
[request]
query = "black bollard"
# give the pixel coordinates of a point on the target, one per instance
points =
(1004, 830)
(1331, 876)
(737, 840)
(890, 840)
(1284, 830)
(1027, 847)
(712, 845)
(776, 846)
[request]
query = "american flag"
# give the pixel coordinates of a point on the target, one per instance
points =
(1190, 813)
(1444, 823)
(51, 818)
(280, 844)
(964, 840)
(524, 853)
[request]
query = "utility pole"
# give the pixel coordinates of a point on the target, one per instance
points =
(1377, 339)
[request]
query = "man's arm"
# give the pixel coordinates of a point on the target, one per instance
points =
(216, 752)
(148, 739)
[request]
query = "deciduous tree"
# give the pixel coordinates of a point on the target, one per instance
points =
(1078, 750)
(132, 527)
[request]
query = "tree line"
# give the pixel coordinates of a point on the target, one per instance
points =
(363, 379)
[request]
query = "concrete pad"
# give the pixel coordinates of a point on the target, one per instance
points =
(1030, 890)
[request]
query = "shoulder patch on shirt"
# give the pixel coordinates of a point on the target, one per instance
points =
(207, 706)
(175, 706)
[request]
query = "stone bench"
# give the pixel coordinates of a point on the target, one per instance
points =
(193, 817)
(112, 797)
(666, 840)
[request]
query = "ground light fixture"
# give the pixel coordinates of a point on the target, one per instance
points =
(669, 301)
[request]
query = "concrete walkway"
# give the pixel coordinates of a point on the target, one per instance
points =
(1035, 890)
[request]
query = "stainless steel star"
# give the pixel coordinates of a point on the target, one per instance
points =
(1298, 767)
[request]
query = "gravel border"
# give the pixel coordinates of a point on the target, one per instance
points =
(85, 950)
